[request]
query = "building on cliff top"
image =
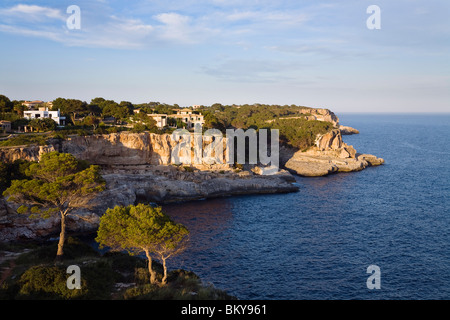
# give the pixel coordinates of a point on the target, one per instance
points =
(43, 113)
(189, 118)
(161, 119)
(5, 126)
(185, 115)
(33, 105)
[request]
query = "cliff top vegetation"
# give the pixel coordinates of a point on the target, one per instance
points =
(297, 128)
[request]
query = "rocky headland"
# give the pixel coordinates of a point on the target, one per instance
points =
(137, 168)
(329, 155)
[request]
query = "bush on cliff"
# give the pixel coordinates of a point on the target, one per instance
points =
(182, 285)
(46, 282)
(25, 140)
(35, 276)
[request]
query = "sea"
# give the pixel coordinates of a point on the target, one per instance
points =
(325, 241)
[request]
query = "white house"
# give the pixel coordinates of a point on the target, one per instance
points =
(5, 126)
(43, 113)
(161, 119)
(188, 117)
(33, 104)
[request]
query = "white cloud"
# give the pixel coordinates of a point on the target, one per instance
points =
(174, 26)
(134, 27)
(51, 35)
(276, 17)
(172, 19)
(183, 29)
(101, 26)
(115, 33)
(102, 29)
(33, 12)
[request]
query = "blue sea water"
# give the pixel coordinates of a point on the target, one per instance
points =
(318, 243)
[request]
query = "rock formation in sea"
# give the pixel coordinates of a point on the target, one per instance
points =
(329, 155)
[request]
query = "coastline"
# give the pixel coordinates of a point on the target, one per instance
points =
(137, 168)
(127, 185)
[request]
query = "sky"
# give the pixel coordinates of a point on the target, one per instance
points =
(305, 52)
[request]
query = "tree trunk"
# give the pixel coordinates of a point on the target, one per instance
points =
(164, 279)
(62, 237)
(150, 269)
(73, 116)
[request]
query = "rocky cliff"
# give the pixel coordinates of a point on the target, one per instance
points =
(29, 153)
(329, 155)
(128, 149)
(321, 115)
(136, 167)
(329, 116)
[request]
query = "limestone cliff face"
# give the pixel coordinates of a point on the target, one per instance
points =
(321, 115)
(331, 140)
(110, 149)
(129, 149)
(330, 153)
(29, 153)
(329, 116)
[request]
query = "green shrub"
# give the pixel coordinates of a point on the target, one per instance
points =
(25, 139)
(50, 282)
(47, 282)
(182, 285)
(138, 128)
(100, 279)
(83, 132)
(112, 130)
(123, 262)
(100, 130)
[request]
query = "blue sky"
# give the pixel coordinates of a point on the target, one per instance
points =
(312, 53)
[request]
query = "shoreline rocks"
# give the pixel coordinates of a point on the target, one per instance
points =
(348, 130)
(329, 155)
